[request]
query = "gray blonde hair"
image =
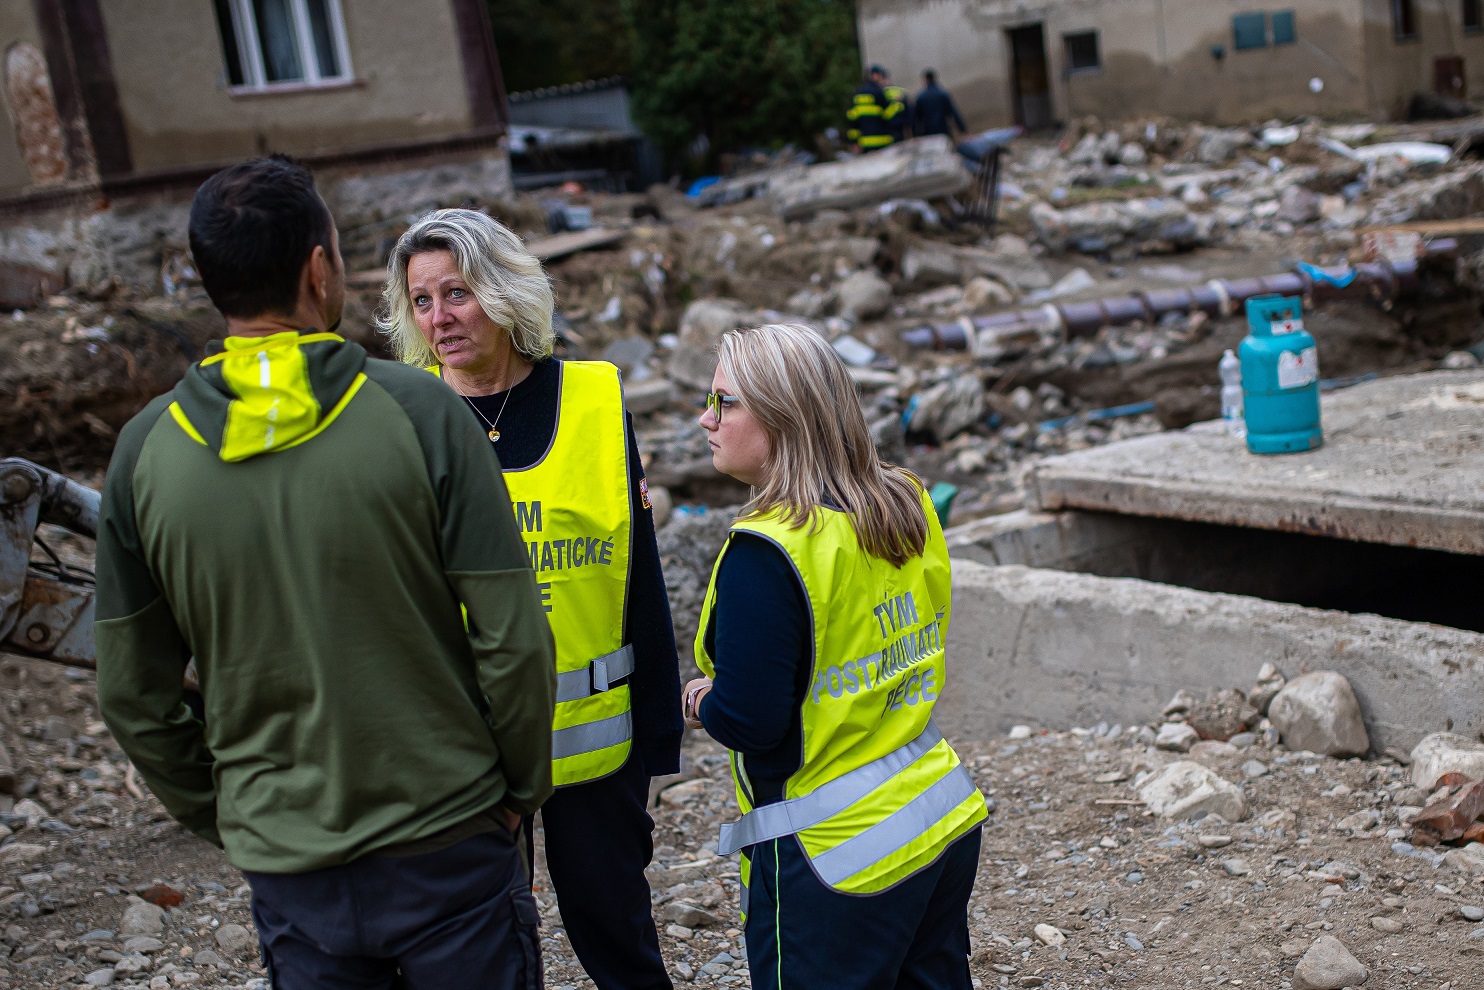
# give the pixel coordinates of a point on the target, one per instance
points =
(797, 388)
(510, 284)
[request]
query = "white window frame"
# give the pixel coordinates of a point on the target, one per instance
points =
(250, 49)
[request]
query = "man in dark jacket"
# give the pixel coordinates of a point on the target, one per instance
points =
(314, 526)
(934, 109)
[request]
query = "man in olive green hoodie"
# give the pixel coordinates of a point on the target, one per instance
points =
(314, 526)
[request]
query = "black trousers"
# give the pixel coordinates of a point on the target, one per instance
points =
(915, 936)
(599, 839)
(459, 917)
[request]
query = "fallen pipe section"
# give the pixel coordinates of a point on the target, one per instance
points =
(1218, 298)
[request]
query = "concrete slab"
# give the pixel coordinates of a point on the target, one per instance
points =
(1048, 647)
(1401, 464)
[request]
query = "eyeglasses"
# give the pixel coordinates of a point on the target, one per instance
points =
(717, 401)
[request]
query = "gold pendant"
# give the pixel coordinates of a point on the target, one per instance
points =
(494, 435)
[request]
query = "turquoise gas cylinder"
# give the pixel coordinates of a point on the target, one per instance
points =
(1280, 378)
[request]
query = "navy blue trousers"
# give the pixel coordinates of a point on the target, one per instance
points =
(599, 838)
(459, 917)
(803, 934)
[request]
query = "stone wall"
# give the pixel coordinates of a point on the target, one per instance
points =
(132, 238)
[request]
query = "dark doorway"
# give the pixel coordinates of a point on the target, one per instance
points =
(1030, 82)
(1448, 78)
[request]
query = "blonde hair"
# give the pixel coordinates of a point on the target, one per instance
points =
(797, 388)
(510, 284)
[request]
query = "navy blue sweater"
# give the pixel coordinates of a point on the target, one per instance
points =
(762, 646)
(527, 425)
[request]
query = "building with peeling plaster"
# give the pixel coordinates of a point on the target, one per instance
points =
(121, 95)
(1037, 62)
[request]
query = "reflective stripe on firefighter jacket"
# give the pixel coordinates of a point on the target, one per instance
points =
(897, 112)
(573, 511)
(880, 794)
(868, 125)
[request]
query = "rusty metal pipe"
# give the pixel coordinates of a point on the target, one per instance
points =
(1217, 298)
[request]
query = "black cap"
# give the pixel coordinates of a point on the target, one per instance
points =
(878, 70)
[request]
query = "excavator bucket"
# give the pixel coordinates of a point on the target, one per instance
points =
(46, 605)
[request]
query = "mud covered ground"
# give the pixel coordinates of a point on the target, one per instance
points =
(1140, 902)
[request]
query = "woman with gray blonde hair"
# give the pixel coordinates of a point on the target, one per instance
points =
(822, 637)
(467, 302)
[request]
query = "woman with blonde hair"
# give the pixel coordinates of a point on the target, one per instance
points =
(822, 635)
(466, 301)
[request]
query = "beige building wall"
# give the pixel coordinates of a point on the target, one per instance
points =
(1402, 68)
(17, 25)
(171, 75)
(1156, 56)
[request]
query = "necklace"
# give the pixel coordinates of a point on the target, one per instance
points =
(494, 434)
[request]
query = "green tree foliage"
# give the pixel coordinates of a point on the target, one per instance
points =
(741, 73)
(551, 42)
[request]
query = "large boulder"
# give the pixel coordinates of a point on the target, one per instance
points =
(1187, 790)
(702, 326)
(1328, 965)
(1098, 227)
(1446, 752)
(1318, 712)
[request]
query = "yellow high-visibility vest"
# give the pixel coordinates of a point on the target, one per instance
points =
(880, 794)
(573, 511)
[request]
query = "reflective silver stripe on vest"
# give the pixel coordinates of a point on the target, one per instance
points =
(590, 737)
(773, 821)
(914, 818)
(596, 677)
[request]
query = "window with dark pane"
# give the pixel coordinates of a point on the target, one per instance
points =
(280, 43)
(1284, 30)
(1250, 31)
(230, 50)
(1403, 19)
(1082, 51)
(1473, 15)
(324, 38)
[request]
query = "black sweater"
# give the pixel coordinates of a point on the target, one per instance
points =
(755, 705)
(527, 425)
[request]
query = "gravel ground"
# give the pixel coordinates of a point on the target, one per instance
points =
(1129, 899)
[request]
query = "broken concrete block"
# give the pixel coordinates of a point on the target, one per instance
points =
(928, 263)
(1445, 752)
(1218, 146)
(1328, 965)
(1188, 790)
(701, 328)
(948, 408)
(1098, 227)
(650, 395)
(983, 291)
(1176, 736)
(1298, 205)
(1270, 681)
(863, 295)
(923, 168)
(1318, 712)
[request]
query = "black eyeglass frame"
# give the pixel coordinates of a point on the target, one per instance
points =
(717, 401)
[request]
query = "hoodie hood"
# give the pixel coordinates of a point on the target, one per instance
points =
(266, 394)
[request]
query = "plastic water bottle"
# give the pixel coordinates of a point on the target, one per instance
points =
(1230, 369)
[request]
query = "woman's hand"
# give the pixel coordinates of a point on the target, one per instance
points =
(690, 706)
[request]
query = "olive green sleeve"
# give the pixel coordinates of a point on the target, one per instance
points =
(142, 655)
(485, 560)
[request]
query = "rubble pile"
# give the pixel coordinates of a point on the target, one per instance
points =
(878, 254)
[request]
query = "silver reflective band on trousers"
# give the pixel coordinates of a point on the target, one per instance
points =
(590, 737)
(773, 821)
(596, 677)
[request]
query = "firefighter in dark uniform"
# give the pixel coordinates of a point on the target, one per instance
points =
(872, 115)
